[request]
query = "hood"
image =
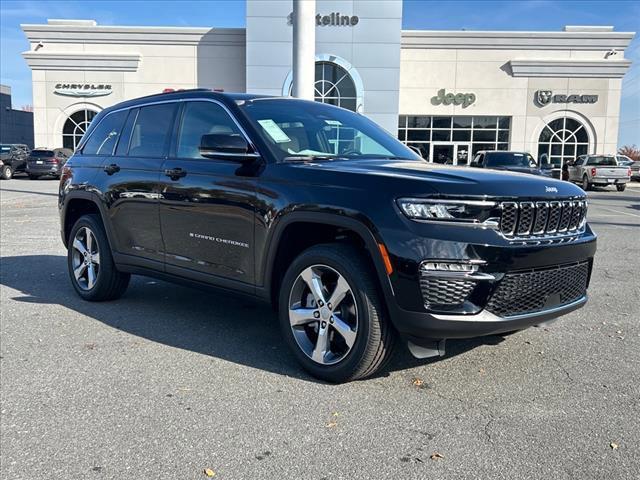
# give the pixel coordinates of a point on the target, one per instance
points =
(453, 180)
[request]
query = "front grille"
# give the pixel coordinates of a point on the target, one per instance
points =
(540, 219)
(535, 290)
(444, 292)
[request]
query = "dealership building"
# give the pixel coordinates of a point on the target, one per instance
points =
(448, 93)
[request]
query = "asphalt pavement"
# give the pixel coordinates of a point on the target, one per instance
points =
(169, 381)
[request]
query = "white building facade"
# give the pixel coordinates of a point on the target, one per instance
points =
(448, 93)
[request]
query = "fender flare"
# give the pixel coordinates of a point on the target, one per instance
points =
(97, 201)
(365, 232)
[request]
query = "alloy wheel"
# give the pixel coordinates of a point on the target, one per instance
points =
(323, 314)
(85, 258)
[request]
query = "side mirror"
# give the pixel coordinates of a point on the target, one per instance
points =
(226, 147)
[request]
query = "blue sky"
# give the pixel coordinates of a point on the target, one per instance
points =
(417, 14)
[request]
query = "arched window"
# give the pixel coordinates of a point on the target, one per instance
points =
(563, 139)
(334, 85)
(75, 127)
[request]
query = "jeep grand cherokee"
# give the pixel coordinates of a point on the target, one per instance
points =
(355, 239)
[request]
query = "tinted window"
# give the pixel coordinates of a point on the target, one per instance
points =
(125, 137)
(42, 153)
(509, 159)
(603, 161)
(104, 138)
(202, 118)
(151, 130)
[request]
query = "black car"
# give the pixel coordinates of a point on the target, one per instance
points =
(521, 162)
(354, 238)
(13, 159)
(47, 162)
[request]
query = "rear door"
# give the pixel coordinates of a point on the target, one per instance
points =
(130, 182)
(207, 210)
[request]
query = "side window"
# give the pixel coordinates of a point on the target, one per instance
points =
(198, 119)
(479, 159)
(125, 137)
(151, 130)
(105, 136)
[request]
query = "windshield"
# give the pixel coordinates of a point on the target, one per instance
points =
(603, 161)
(42, 153)
(510, 159)
(301, 130)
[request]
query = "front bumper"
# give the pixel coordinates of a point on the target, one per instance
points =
(508, 271)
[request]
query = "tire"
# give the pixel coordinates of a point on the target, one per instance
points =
(372, 336)
(99, 281)
(6, 172)
(622, 187)
(586, 186)
(33, 177)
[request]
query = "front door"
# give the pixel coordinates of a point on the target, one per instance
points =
(451, 153)
(207, 205)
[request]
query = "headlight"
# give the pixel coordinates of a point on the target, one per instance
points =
(445, 210)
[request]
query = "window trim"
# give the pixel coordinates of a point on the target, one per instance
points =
(173, 129)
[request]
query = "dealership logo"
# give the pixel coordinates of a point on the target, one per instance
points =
(334, 19)
(82, 89)
(542, 98)
(443, 98)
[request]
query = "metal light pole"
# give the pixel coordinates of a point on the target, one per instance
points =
(304, 48)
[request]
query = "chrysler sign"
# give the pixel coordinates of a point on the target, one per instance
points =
(543, 98)
(82, 89)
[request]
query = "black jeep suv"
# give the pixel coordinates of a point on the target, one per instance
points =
(353, 237)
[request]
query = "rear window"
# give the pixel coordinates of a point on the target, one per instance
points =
(603, 161)
(509, 159)
(42, 153)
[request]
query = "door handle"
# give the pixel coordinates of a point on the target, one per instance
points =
(175, 173)
(111, 169)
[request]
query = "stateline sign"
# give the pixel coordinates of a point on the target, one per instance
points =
(444, 98)
(82, 89)
(543, 98)
(334, 19)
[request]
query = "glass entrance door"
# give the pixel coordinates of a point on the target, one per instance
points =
(450, 153)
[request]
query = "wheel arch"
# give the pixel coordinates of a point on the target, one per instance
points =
(77, 204)
(350, 228)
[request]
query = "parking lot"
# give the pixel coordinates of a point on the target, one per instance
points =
(170, 381)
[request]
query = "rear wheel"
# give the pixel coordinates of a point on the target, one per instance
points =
(332, 315)
(93, 273)
(6, 172)
(585, 183)
(621, 187)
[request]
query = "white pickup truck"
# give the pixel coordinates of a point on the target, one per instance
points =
(598, 171)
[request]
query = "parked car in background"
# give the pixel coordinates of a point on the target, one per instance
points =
(635, 170)
(47, 162)
(521, 162)
(14, 159)
(599, 171)
(624, 161)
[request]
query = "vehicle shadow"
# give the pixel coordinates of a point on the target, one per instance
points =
(210, 323)
(29, 192)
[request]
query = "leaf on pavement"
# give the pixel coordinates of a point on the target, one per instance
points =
(209, 473)
(417, 382)
(436, 456)
(613, 445)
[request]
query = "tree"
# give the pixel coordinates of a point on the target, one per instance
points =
(630, 151)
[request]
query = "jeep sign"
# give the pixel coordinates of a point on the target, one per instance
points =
(542, 98)
(464, 99)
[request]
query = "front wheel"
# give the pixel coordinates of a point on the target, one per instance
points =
(585, 183)
(621, 187)
(7, 172)
(332, 315)
(93, 273)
